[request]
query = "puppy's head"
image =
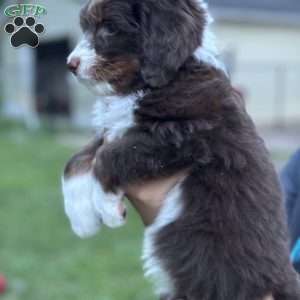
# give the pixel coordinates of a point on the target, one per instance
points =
(131, 44)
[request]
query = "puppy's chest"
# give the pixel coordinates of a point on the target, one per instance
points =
(113, 116)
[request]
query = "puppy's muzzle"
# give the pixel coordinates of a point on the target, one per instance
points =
(73, 65)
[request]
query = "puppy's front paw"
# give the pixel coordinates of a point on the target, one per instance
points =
(77, 191)
(105, 169)
(110, 206)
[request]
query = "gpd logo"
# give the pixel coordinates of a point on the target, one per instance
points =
(24, 29)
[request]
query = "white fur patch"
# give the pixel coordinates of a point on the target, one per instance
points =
(88, 206)
(208, 52)
(153, 267)
(110, 206)
(113, 115)
(77, 191)
(88, 58)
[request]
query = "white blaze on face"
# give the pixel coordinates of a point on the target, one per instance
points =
(88, 58)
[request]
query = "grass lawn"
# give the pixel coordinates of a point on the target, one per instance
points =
(39, 254)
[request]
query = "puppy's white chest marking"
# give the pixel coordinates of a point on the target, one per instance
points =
(153, 266)
(114, 115)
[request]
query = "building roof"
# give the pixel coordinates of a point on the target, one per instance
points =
(267, 11)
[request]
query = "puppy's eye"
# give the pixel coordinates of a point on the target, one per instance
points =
(110, 29)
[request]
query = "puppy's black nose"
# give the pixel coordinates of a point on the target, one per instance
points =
(74, 64)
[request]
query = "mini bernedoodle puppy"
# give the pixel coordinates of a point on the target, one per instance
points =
(166, 105)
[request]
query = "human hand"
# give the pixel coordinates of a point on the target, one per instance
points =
(147, 198)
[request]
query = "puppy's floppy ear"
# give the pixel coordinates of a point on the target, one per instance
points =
(171, 31)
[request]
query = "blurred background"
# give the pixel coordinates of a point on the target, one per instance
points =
(45, 117)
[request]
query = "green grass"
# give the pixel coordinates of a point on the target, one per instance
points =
(39, 255)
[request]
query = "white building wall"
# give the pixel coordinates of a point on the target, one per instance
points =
(266, 67)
